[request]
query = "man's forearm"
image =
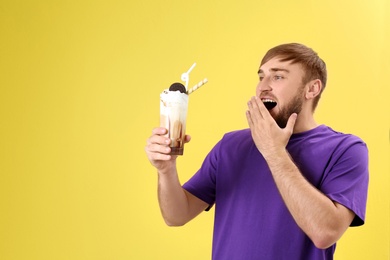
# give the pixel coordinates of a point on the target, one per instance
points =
(172, 199)
(315, 213)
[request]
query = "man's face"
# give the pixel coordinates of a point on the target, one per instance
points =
(281, 89)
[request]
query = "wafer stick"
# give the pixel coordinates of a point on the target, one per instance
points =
(201, 83)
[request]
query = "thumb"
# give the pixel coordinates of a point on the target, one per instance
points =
(187, 139)
(291, 122)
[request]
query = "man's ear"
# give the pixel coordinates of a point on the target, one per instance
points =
(313, 89)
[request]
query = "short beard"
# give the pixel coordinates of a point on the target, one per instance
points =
(295, 106)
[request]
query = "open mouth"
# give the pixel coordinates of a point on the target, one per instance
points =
(269, 103)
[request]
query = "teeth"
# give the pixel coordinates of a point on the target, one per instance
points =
(267, 100)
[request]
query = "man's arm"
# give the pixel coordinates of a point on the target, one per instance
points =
(177, 205)
(323, 220)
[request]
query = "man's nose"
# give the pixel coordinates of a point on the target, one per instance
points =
(264, 85)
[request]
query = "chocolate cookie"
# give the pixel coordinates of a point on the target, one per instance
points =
(178, 86)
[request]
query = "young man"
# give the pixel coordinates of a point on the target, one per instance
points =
(287, 187)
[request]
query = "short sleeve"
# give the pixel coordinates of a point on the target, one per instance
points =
(202, 183)
(346, 181)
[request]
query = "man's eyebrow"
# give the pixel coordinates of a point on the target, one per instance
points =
(260, 71)
(279, 69)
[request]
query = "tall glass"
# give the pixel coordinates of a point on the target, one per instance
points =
(173, 116)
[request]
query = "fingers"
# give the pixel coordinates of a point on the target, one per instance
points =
(249, 119)
(253, 111)
(159, 131)
(256, 110)
(158, 139)
(158, 148)
(157, 145)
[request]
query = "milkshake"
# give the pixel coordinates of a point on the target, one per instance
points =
(173, 115)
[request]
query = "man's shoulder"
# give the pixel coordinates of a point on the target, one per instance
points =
(324, 141)
(342, 137)
(326, 133)
(237, 134)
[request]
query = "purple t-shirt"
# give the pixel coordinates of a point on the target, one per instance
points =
(251, 219)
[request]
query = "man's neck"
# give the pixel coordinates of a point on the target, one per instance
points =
(304, 123)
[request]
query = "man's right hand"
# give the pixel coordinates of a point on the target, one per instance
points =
(157, 149)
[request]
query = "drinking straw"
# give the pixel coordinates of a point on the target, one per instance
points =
(201, 83)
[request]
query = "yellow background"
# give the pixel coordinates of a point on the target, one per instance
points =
(80, 83)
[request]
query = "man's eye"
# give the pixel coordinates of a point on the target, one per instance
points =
(261, 78)
(278, 77)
